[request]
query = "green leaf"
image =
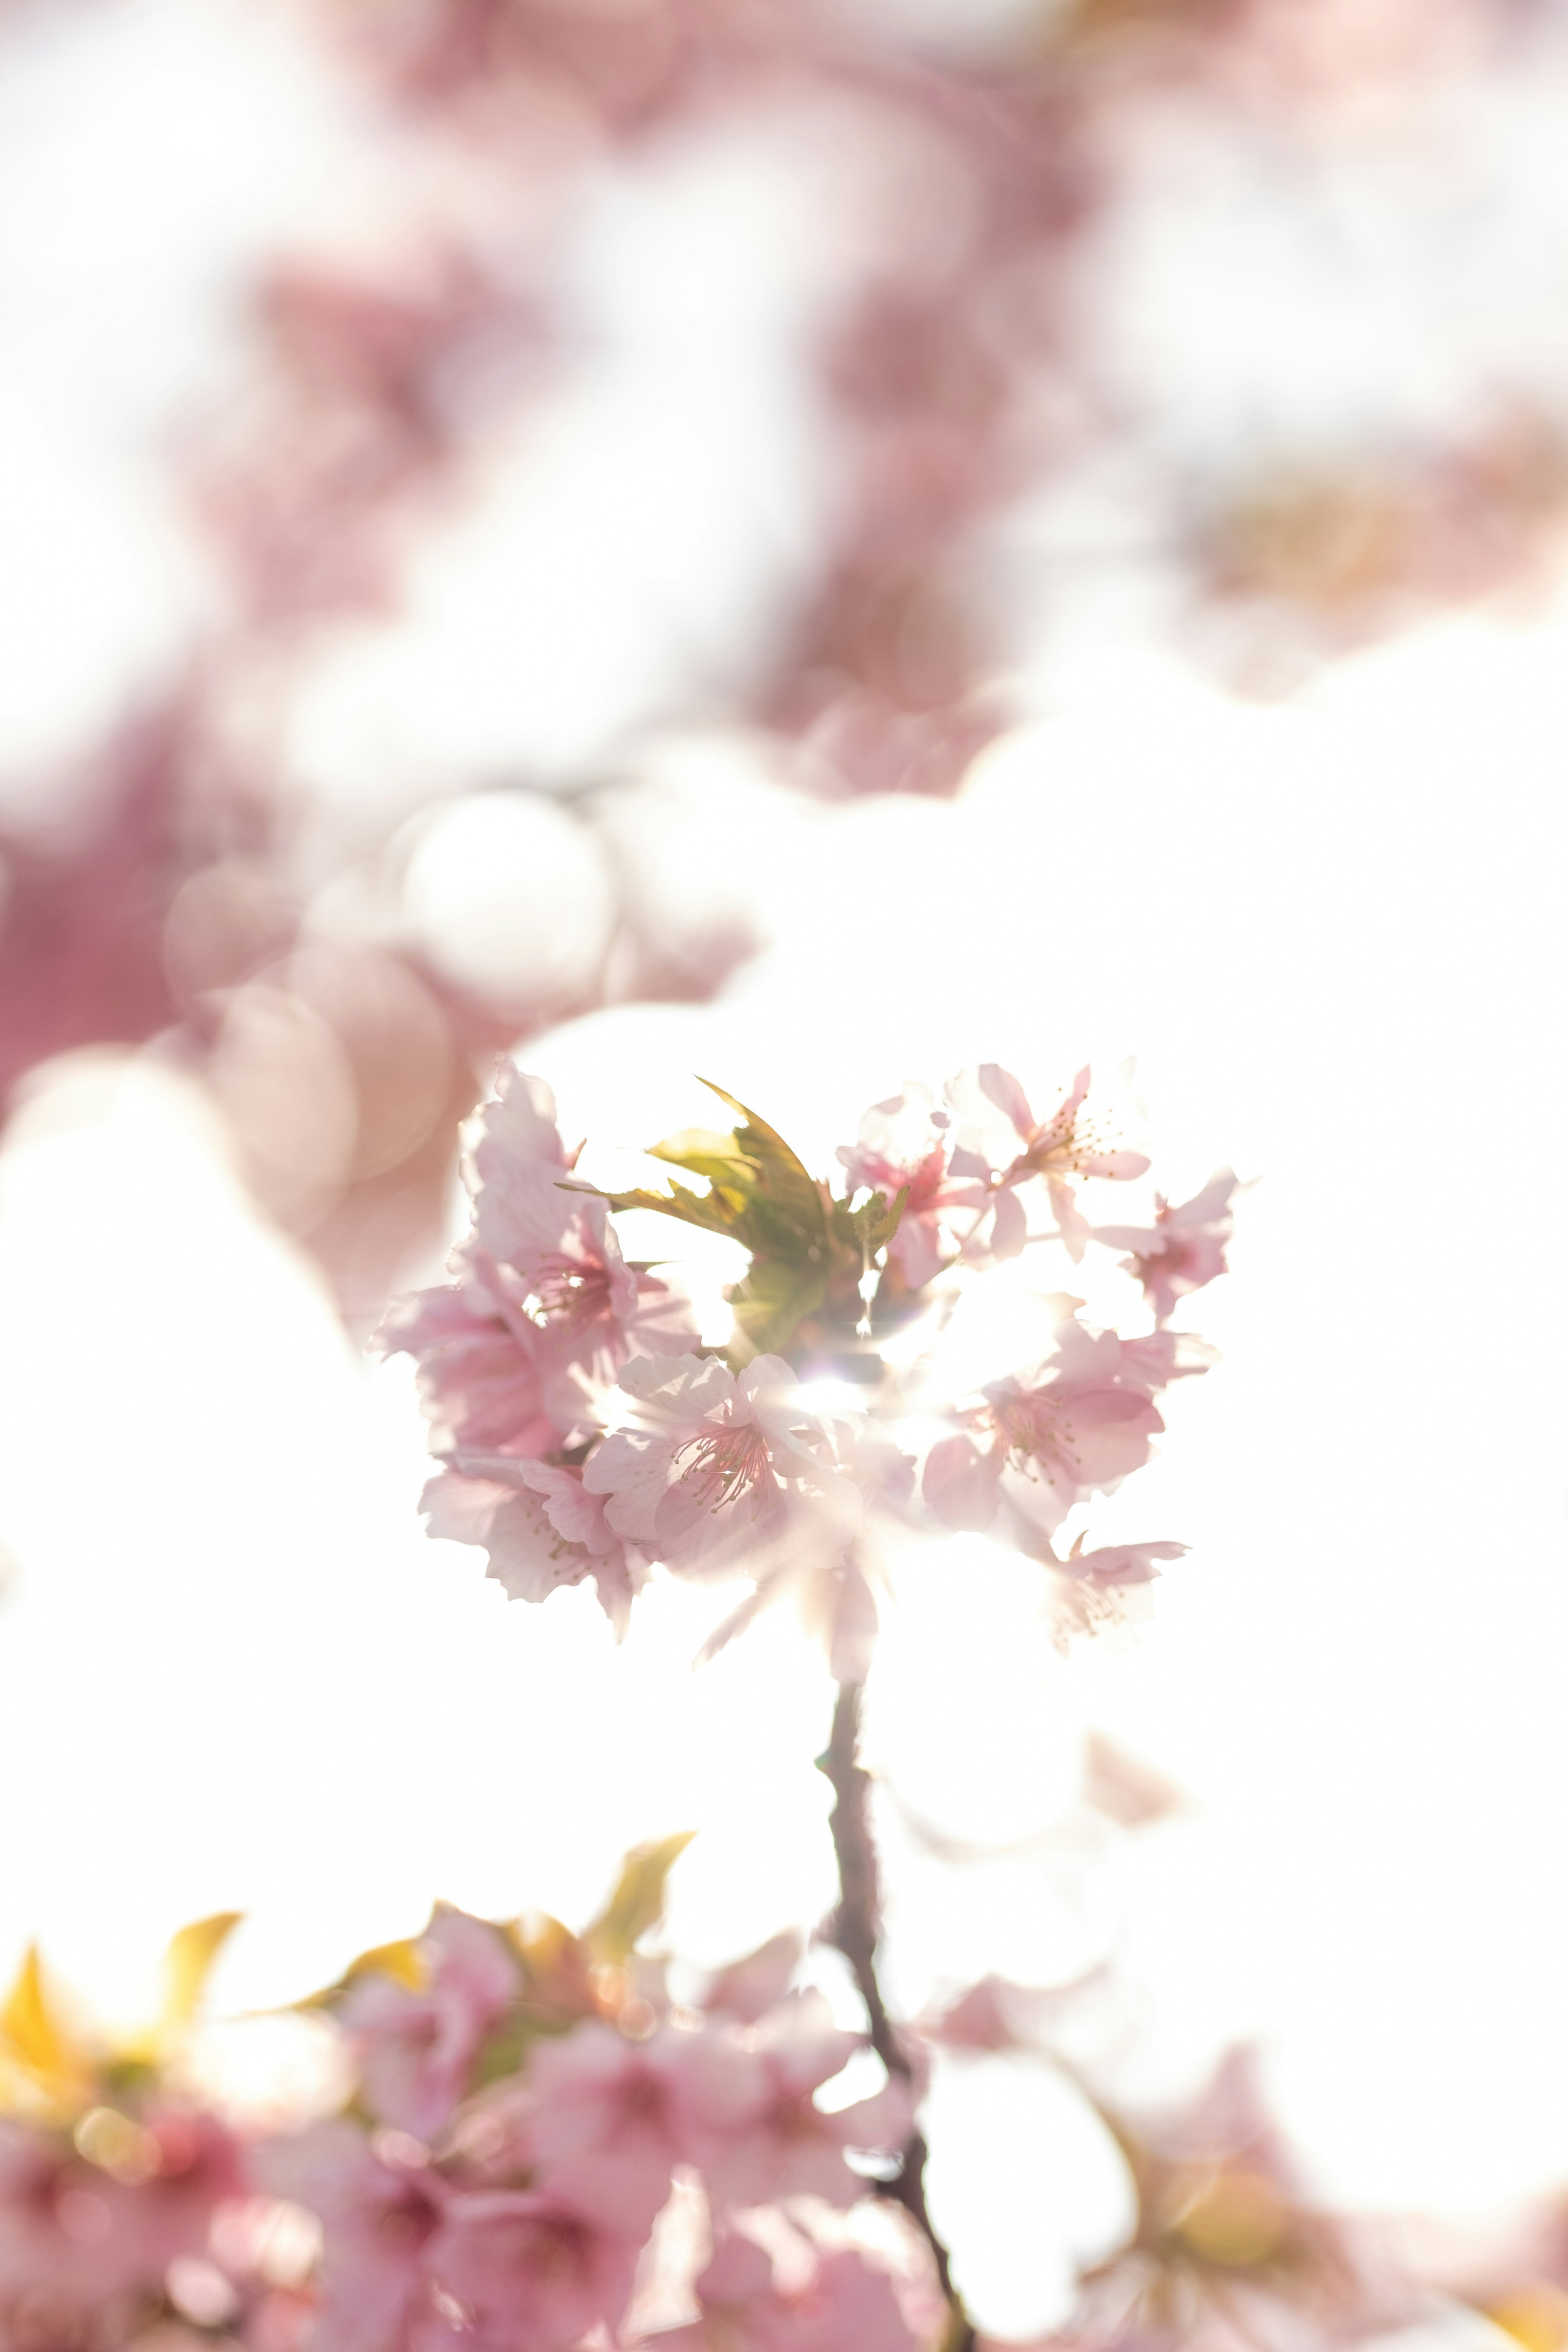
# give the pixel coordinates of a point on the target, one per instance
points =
(710, 1210)
(718, 1157)
(637, 1903)
(782, 1184)
(760, 1194)
(870, 1227)
(808, 1251)
(771, 1304)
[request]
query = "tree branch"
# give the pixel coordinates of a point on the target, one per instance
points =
(855, 1928)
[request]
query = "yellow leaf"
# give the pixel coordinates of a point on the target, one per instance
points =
(403, 1961)
(187, 1964)
(1535, 2316)
(637, 1903)
(40, 2044)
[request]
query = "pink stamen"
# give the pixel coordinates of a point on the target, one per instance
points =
(726, 1462)
(569, 1292)
(1032, 1428)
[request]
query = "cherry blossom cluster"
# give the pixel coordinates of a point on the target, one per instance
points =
(526, 2115)
(584, 1431)
(540, 2147)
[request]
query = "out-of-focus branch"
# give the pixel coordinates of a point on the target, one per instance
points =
(855, 1931)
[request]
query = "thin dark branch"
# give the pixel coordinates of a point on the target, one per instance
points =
(856, 1927)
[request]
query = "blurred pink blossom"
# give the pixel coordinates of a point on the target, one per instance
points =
(519, 2271)
(844, 2305)
(380, 2211)
(416, 2050)
(611, 2117)
(782, 2143)
(69, 2225)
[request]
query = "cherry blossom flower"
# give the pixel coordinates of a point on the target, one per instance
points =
(1103, 1591)
(551, 1256)
(782, 2143)
(73, 2225)
(716, 1467)
(516, 1129)
(1002, 1144)
(828, 1569)
(994, 2015)
(1184, 1248)
(1158, 1358)
(541, 1527)
(482, 1372)
(1083, 1424)
(416, 2050)
(550, 1253)
(541, 1307)
(528, 2273)
(380, 2207)
(1117, 1564)
(748, 1987)
(1228, 2251)
(902, 1147)
(610, 2117)
(844, 2305)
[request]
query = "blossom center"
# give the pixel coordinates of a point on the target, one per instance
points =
(570, 1291)
(1034, 1428)
(725, 1463)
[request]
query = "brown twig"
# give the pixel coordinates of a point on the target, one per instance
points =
(855, 1931)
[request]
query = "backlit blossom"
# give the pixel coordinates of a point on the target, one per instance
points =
(77, 2228)
(782, 2144)
(1229, 2251)
(416, 2049)
(1106, 1590)
(748, 1987)
(826, 1567)
(516, 1129)
(715, 1468)
(1184, 1249)
(610, 2117)
(550, 1255)
(541, 1307)
(1079, 1425)
(521, 2271)
(541, 1527)
(844, 2304)
(902, 1146)
(380, 2207)
(482, 1370)
(994, 2015)
(1003, 1144)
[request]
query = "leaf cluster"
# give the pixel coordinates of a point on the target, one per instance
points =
(809, 1251)
(50, 2070)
